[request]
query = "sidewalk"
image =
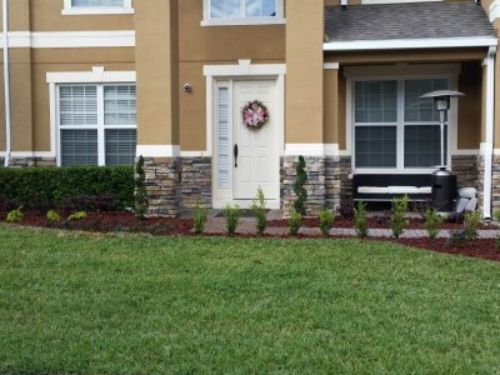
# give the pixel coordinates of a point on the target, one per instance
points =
(217, 225)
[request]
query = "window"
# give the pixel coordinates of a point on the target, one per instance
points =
(97, 124)
(76, 7)
(242, 12)
(393, 127)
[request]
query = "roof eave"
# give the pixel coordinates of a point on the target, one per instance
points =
(400, 44)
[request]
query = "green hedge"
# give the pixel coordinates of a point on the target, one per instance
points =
(46, 187)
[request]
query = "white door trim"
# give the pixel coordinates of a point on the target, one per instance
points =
(244, 70)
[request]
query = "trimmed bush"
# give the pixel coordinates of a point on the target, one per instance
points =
(80, 215)
(398, 221)
(432, 222)
(360, 220)
(15, 216)
(299, 189)
(326, 221)
(232, 215)
(200, 218)
(294, 223)
(53, 216)
(260, 212)
(45, 188)
(471, 225)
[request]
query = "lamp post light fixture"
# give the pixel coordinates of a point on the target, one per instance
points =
(442, 104)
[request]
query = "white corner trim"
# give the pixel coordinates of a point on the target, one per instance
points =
(244, 21)
(97, 75)
(158, 151)
(465, 152)
(194, 154)
(71, 10)
(71, 39)
(423, 43)
(314, 149)
(244, 68)
(494, 11)
(331, 66)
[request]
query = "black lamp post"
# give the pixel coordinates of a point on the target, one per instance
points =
(442, 104)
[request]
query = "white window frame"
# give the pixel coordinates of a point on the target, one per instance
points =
(97, 77)
(241, 21)
(70, 10)
(400, 73)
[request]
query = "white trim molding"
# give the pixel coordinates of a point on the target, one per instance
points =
(158, 151)
(30, 154)
(331, 66)
(279, 19)
(487, 147)
(244, 68)
(314, 149)
(194, 154)
(96, 75)
(71, 39)
(70, 10)
(422, 43)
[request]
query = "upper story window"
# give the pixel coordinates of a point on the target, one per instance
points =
(243, 12)
(77, 7)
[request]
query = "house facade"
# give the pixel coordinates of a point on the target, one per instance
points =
(100, 82)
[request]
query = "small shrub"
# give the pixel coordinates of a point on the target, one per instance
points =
(497, 244)
(200, 218)
(140, 194)
(497, 216)
(260, 212)
(232, 215)
(346, 209)
(457, 238)
(398, 222)
(472, 221)
(15, 216)
(360, 220)
(298, 187)
(53, 216)
(432, 220)
(295, 222)
(79, 215)
(326, 221)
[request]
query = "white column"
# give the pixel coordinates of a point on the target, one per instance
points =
(487, 146)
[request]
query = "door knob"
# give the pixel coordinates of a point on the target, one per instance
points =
(235, 152)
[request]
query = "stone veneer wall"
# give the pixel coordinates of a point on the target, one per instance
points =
(316, 191)
(196, 182)
(162, 179)
(469, 170)
(338, 183)
(495, 183)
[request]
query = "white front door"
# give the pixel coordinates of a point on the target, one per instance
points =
(246, 159)
(256, 163)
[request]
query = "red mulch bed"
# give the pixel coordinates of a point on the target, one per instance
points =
(114, 222)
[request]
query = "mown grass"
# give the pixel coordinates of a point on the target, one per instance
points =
(94, 304)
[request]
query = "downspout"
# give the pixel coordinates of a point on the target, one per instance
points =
(487, 148)
(6, 78)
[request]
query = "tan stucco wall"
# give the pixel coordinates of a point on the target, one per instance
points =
(19, 15)
(304, 82)
(469, 107)
(497, 100)
(199, 46)
(156, 65)
(331, 123)
(30, 92)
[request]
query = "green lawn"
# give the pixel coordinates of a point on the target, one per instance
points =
(94, 304)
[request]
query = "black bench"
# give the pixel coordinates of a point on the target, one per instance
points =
(385, 187)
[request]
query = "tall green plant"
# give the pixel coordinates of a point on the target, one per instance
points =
(141, 196)
(360, 220)
(472, 222)
(259, 211)
(398, 219)
(432, 220)
(299, 187)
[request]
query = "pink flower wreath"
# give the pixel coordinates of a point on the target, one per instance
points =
(255, 114)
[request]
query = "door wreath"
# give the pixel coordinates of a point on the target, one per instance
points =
(255, 114)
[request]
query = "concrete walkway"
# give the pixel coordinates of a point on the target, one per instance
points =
(217, 225)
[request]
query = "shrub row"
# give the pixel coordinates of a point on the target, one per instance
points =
(102, 188)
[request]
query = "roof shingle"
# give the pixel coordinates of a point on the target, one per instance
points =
(407, 21)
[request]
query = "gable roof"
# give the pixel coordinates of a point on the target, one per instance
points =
(407, 21)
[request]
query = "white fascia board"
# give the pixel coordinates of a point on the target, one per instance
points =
(97, 75)
(397, 44)
(70, 39)
(157, 151)
(314, 149)
(244, 68)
